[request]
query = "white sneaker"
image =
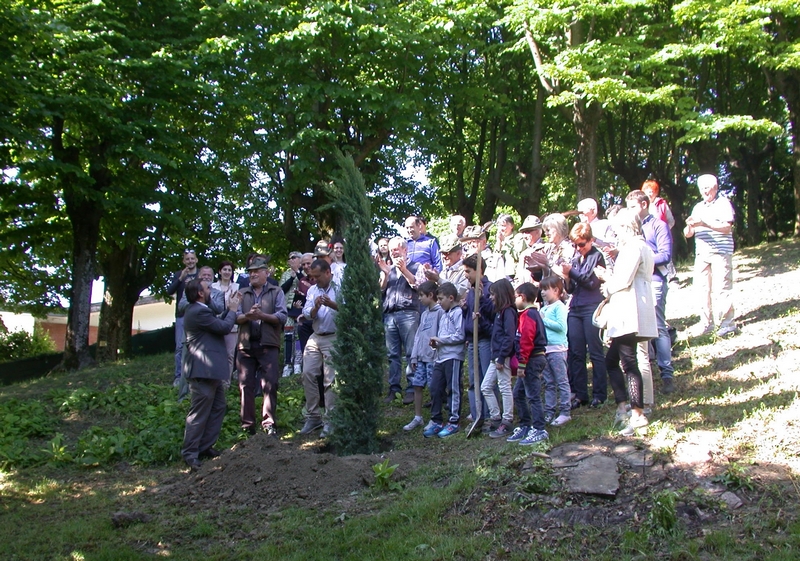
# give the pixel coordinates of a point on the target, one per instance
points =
(727, 330)
(287, 371)
(561, 420)
(415, 422)
(298, 369)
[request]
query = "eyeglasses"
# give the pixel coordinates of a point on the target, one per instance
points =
(294, 257)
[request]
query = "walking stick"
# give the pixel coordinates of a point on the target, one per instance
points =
(477, 422)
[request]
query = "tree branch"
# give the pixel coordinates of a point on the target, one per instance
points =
(537, 61)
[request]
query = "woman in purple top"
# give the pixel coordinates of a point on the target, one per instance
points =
(584, 286)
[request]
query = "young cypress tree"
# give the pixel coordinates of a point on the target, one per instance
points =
(360, 349)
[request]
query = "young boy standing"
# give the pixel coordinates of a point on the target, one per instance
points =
(423, 354)
(449, 345)
(528, 389)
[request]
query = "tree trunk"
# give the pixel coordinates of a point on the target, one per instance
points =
(789, 84)
(122, 291)
(679, 192)
(84, 206)
(477, 173)
(585, 119)
(531, 179)
(497, 161)
(768, 209)
(85, 217)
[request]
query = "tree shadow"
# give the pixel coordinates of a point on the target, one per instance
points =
(769, 311)
(723, 416)
(728, 362)
(769, 259)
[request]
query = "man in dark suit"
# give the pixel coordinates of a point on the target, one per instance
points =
(206, 368)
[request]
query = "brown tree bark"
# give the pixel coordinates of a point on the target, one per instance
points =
(586, 119)
(84, 207)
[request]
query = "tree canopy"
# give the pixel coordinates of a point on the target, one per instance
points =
(130, 130)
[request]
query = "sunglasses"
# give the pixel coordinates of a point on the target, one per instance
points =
(581, 244)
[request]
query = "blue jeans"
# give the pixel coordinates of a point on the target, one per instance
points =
(580, 335)
(484, 358)
(556, 384)
(528, 394)
(179, 337)
(662, 342)
(400, 327)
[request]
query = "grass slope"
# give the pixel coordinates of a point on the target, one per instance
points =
(77, 448)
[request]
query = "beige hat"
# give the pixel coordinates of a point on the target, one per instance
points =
(450, 242)
(322, 249)
(473, 233)
(531, 223)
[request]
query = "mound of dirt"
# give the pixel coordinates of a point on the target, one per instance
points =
(266, 473)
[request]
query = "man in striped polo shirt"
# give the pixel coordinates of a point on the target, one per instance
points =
(711, 224)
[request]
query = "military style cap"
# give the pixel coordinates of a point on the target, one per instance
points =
(259, 263)
(473, 233)
(450, 243)
(531, 223)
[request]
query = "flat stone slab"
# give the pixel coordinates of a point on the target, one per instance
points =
(638, 459)
(575, 452)
(595, 475)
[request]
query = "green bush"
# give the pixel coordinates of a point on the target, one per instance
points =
(21, 344)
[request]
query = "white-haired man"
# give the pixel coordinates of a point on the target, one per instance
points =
(711, 225)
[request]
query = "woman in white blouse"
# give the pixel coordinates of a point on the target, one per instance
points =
(631, 316)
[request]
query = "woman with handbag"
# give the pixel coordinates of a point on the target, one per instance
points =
(584, 286)
(630, 314)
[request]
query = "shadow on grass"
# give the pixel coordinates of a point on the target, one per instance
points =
(769, 259)
(727, 362)
(770, 311)
(707, 416)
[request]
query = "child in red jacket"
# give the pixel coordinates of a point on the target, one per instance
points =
(528, 389)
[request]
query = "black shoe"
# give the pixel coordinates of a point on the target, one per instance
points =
(667, 385)
(194, 465)
(408, 398)
(576, 403)
(390, 398)
(210, 453)
(270, 431)
(251, 430)
(596, 403)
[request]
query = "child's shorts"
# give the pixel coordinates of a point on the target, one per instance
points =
(422, 375)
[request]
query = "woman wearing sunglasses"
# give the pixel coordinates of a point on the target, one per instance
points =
(584, 286)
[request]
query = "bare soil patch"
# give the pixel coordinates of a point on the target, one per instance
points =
(269, 474)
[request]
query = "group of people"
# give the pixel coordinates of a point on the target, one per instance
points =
(521, 306)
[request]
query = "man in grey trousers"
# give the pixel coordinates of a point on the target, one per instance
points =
(206, 368)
